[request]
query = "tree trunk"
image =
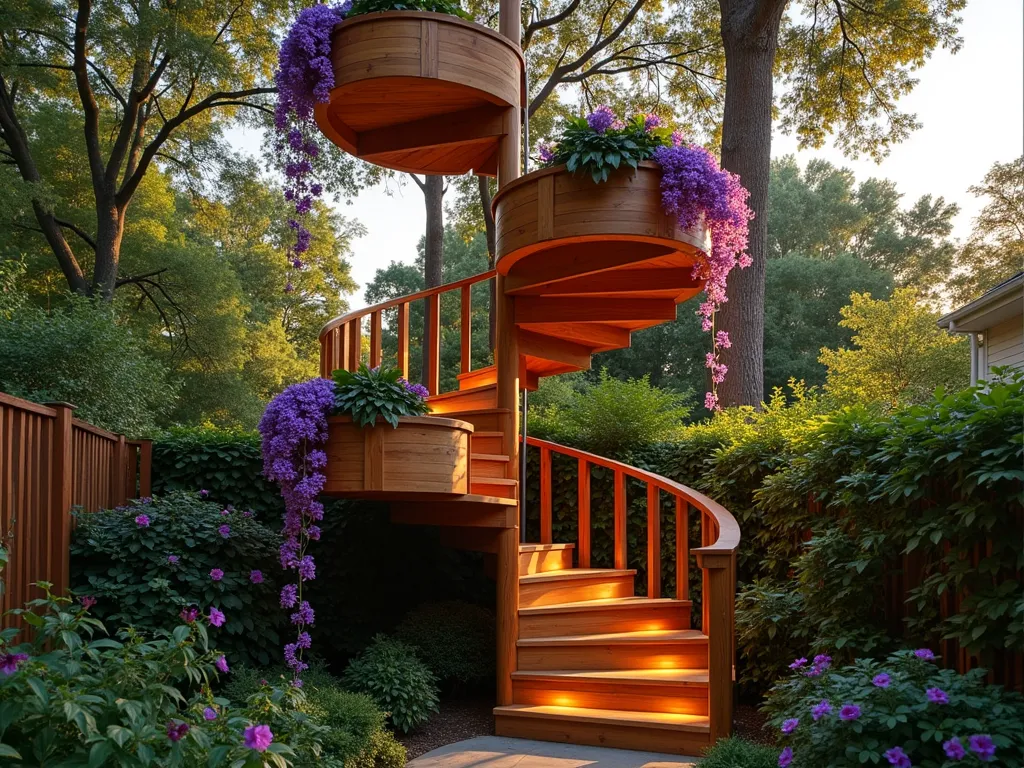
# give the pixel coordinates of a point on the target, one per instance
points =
(109, 230)
(433, 251)
(485, 206)
(750, 30)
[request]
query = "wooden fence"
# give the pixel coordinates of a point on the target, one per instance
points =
(49, 463)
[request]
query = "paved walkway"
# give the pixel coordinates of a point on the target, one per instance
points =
(501, 752)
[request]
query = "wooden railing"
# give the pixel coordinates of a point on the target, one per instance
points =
(716, 557)
(49, 463)
(341, 339)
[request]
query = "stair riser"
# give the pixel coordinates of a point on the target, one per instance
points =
(617, 619)
(484, 468)
(484, 488)
(544, 562)
(486, 444)
(675, 699)
(637, 737)
(574, 590)
(617, 656)
(464, 401)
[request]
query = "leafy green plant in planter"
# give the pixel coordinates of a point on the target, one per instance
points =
(188, 552)
(583, 148)
(373, 393)
(903, 711)
(394, 676)
(360, 7)
(454, 638)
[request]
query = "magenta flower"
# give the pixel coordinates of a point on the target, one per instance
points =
(849, 712)
(881, 680)
(601, 119)
(983, 746)
(711, 401)
(937, 696)
(216, 574)
(821, 709)
(651, 122)
(224, 531)
(722, 339)
(547, 151)
(258, 737)
(9, 662)
(221, 664)
(203, 493)
(954, 749)
(87, 601)
(798, 663)
(216, 618)
(678, 139)
(256, 576)
(225, 512)
(896, 756)
(925, 653)
(173, 559)
(176, 731)
(189, 614)
(786, 757)
(142, 521)
(790, 725)
(209, 713)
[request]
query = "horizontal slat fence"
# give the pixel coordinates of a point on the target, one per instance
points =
(49, 463)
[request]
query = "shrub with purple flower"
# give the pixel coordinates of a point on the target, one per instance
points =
(889, 716)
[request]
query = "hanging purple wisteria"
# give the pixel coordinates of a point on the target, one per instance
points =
(304, 78)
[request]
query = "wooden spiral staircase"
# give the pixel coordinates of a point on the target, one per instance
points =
(581, 658)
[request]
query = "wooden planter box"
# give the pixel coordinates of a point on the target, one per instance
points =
(421, 92)
(562, 216)
(425, 454)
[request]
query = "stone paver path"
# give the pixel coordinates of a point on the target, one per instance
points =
(501, 752)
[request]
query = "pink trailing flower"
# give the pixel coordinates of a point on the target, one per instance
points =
(258, 737)
(722, 339)
(711, 401)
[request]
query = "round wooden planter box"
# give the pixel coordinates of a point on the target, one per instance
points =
(552, 216)
(425, 454)
(421, 92)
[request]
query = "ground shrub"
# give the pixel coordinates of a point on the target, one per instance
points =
(900, 711)
(739, 753)
(454, 638)
(143, 575)
(396, 679)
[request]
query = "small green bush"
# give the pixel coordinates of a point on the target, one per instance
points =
(128, 568)
(768, 614)
(455, 639)
(395, 677)
(739, 753)
(901, 711)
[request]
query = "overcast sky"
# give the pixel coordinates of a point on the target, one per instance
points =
(971, 107)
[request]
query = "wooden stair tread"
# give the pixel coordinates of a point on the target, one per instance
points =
(693, 723)
(488, 434)
(544, 547)
(489, 457)
(577, 573)
(689, 636)
(494, 481)
(684, 677)
(456, 394)
(606, 603)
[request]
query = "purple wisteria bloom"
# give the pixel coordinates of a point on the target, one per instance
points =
(983, 747)
(925, 653)
(307, 568)
(954, 749)
(304, 615)
(601, 119)
(896, 756)
(258, 737)
(142, 521)
(289, 595)
(216, 574)
(786, 757)
(790, 725)
(849, 712)
(821, 709)
(216, 617)
(937, 696)
(881, 680)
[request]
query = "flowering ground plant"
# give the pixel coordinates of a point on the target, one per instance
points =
(377, 393)
(903, 711)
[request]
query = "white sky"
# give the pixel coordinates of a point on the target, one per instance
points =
(971, 107)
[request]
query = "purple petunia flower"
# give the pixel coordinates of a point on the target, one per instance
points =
(798, 663)
(224, 531)
(87, 601)
(896, 756)
(881, 680)
(216, 574)
(821, 709)
(790, 725)
(9, 662)
(258, 737)
(925, 653)
(209, 713)
(142, 521)
(256, 576)
(217, 618)
(786, 757)
(954, 749)
(849, 712)
(601, 119)
(221, 663)
(176, 731)
(173, 559)
(983, 746)
(937, 696)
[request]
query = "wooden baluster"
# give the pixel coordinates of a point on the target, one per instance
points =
(355, 344)
(653, 541)
(620, 519)
(344, 342)
(432, 339)
(466, 331)
(682, 549)
(375, 332)
(705, 539)
(403, 339)
(583, 524)
(718, 596)
(545, 495)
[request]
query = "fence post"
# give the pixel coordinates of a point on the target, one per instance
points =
(59, 524)
(145, 468)
(718, 599)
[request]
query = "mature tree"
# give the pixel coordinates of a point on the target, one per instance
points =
(844, 64)
(899, 355)
(995, 250)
